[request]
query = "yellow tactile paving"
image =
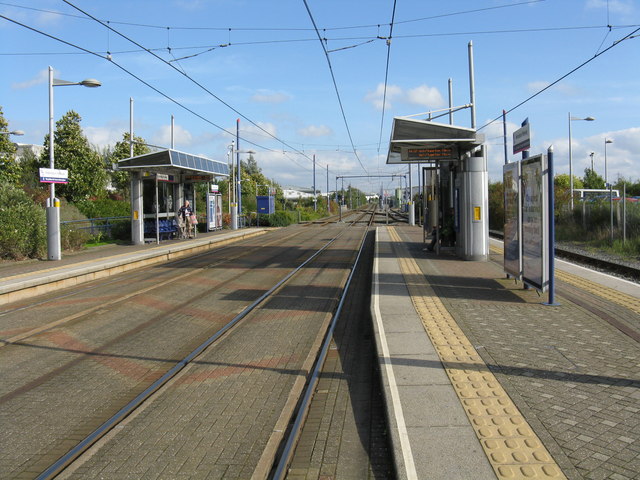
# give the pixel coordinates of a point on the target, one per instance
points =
(601, 291)
(511, 446)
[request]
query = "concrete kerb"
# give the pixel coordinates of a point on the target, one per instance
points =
(38, 283)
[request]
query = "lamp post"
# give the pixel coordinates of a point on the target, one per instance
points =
(571, 119)
(606, 178)
(53, 204)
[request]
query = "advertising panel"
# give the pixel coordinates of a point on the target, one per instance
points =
(512, 213)
(535, 229)
(214, 211)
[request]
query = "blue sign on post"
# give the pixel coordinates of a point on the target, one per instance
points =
(266, 204)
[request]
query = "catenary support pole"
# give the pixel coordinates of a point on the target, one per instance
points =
(552, 229)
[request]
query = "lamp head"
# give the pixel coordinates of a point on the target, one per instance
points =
(608, 141)
(91, 83)
(589, 119)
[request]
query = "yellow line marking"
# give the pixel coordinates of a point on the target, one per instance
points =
(601, 291)
(511, 446)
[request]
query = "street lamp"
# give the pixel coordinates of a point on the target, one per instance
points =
(53, 204)
(588, 119)
(606, 179)
(14, 132)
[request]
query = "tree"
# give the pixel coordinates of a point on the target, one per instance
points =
(87, 175)
(592, 179)
(121, 179)
(562, 181)
(9, 166)
(496, 206)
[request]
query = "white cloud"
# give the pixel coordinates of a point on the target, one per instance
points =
(40, 78)
(615, 6)
(422, 95)
(102, 137)
(564, 88)
(258, 134)
(426, 96)
(182, 137)
(315, 131)
(269, 96)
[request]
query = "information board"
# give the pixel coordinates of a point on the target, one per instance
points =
(535, 227)
(512, 214)
(430, 153)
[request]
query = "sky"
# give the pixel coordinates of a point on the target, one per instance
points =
(211, 62)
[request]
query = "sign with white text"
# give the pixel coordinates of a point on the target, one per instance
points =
(53, 175)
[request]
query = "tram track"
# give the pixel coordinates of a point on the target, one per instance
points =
(171, 373)
(629, 272)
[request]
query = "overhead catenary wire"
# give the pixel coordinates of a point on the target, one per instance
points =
(200, 85)
(386, 76)
(335, 85)
(586, 62)
(276, 29)
(165, 95)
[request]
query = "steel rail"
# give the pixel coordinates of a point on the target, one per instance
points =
(68, 458)
(303, 408)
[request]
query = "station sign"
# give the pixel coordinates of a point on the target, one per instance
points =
(53, 175)
(162, 177)
(522, 139)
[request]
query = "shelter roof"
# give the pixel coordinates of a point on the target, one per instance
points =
(174, 162)
(419, 141)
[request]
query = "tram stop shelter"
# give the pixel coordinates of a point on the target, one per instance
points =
(160, 183)
(454, 179)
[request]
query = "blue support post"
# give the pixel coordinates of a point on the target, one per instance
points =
(552, 230)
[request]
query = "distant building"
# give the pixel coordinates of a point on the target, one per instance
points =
(291, 192)
(25, 148)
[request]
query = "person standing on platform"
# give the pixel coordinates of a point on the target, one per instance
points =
(185, 213)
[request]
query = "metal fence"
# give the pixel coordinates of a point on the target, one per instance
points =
(97, 226)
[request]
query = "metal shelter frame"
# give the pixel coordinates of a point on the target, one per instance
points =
(455, 156)
(170, 166)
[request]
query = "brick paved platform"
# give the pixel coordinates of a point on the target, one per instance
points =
(563, 373)
(19, 280)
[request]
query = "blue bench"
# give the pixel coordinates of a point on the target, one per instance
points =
(167, 228)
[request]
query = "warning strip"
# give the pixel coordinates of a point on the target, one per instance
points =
(511, 445)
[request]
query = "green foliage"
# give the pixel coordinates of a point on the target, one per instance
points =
(120, 179)
(563, 181)
(104, 207)
(87, 175)
(592, 179)
(279, 219)
(496, 206)
(22, 225)
(9, 167)
(73, 239)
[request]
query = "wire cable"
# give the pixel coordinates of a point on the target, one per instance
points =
(335, 85)
(386, 75)
(586, 62)
(184, 74)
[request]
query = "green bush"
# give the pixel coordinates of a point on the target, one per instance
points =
(23, 232)
(278, 219)
(104, 207)
(72, 239)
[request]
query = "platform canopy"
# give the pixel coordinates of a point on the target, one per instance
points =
(173, 162)
(422, 141)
